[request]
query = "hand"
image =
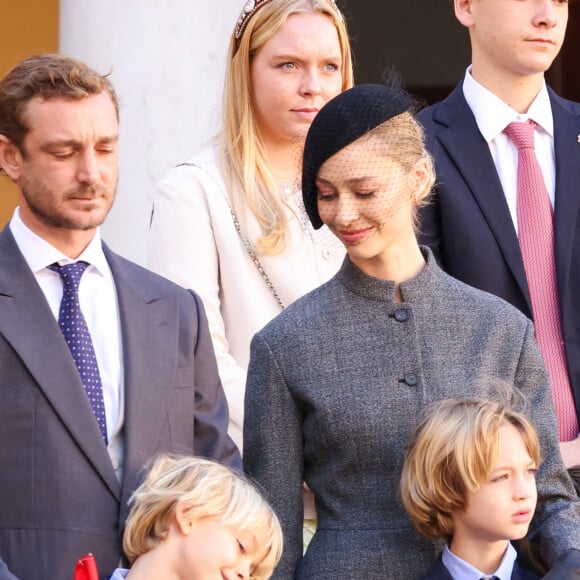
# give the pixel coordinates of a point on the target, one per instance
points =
(309, 507)
(570, 451)
(567, 567)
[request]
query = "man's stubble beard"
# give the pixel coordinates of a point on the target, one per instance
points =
(51, 217)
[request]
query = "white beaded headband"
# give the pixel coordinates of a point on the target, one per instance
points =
(249, 9)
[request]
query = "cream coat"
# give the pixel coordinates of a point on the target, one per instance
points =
(193, 241)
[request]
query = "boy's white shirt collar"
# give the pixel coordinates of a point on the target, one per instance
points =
(461, 570)
(492, 115)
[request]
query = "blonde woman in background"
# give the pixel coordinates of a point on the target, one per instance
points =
(230, 222)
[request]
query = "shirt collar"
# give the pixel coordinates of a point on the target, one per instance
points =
(459, 568)
(492, 115)
(39, 254)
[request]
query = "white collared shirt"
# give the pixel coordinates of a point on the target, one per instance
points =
(98, 301)
(492, 116)
(461, 570)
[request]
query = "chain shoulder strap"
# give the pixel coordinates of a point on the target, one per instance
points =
(245, 241)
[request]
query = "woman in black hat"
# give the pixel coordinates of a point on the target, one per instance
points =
(339, 381)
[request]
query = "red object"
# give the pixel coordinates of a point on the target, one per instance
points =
(86, 568)
(536, 238)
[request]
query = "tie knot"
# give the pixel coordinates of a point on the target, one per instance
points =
(70, 273)
(522, 134)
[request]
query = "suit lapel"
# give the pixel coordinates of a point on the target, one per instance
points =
(567, 153)
(149, 352)
(458, 134)
(438, 571)
(27, 323)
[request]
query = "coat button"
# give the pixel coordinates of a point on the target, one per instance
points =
(326, 253)
(401, 315)
(411, 379)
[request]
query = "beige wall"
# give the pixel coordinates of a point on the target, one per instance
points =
(28, 27)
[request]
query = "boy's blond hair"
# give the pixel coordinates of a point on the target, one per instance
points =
(451, 456)
(206, 490)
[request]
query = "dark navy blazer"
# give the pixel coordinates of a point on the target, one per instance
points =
(468, 225)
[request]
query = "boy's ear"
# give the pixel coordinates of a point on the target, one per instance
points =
(182, 519)
(10, 158)
(463, 12)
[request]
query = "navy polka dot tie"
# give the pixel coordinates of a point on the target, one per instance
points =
(76, 334)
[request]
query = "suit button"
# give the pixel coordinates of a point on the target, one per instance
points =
(401, 315)
(411, 379)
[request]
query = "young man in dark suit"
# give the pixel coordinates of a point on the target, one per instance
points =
(481, 226)
(102, 364)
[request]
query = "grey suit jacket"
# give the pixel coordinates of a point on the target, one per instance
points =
(5, 574)
(59, 496)
(338, 382)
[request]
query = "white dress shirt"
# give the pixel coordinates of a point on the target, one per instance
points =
(101, 314)
(461, 570)
(492, 116)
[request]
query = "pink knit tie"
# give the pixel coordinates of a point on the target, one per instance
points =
(536, 238)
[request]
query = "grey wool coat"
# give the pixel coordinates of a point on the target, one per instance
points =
(338, 382)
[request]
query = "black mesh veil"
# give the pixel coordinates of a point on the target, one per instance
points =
(339, 123)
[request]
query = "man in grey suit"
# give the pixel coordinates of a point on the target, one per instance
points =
(76, 429)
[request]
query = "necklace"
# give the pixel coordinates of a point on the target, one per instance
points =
(290, 186)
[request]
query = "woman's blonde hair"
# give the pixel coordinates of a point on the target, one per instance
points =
(204, 489)
(451, 455)
(249, 182)
(403, 140)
